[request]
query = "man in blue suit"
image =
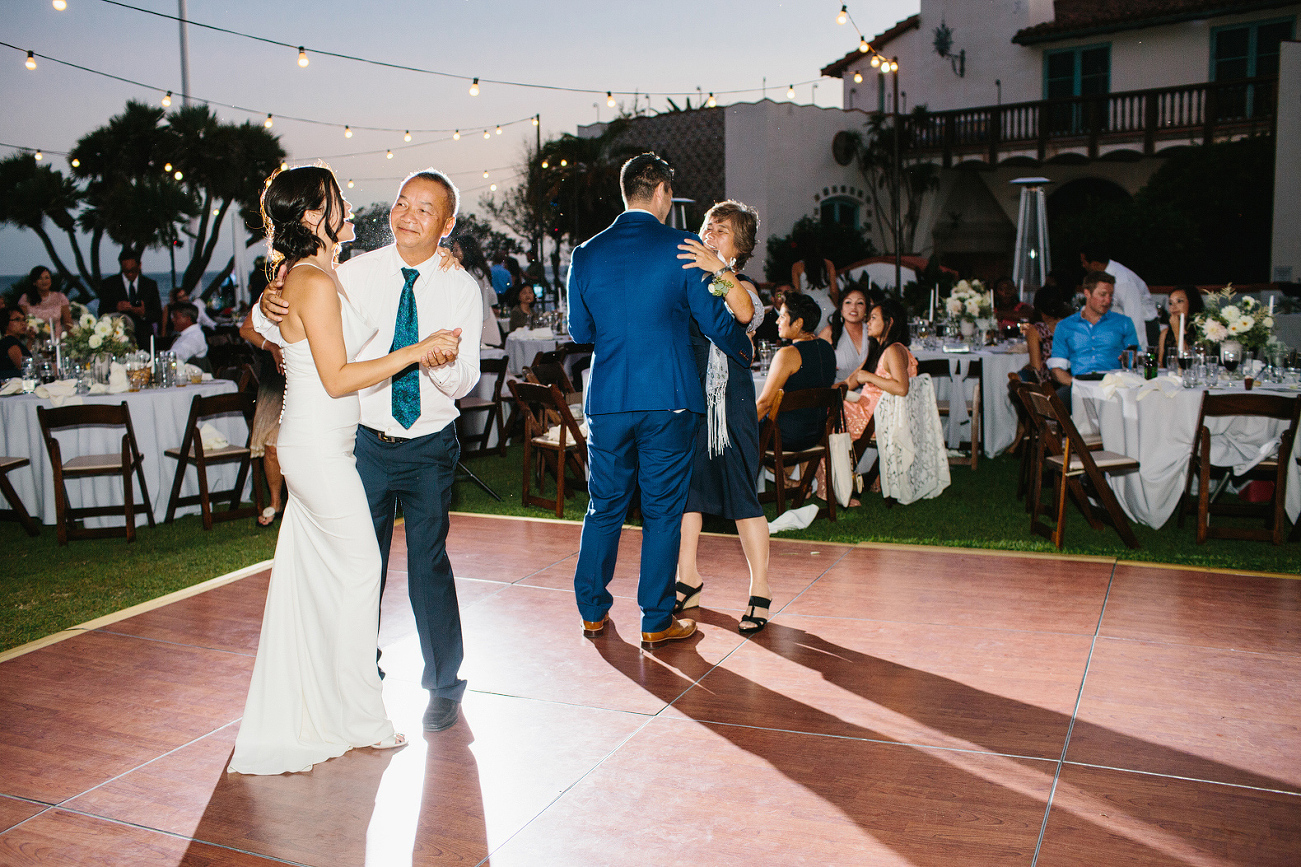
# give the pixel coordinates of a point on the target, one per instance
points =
(633, 300)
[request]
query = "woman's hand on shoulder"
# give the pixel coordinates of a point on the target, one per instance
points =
(699, 256)
(447, 260)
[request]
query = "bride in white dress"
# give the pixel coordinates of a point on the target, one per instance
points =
(315, 692)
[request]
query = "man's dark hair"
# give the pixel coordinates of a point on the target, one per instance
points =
(1093, 278)
(431, 174)
(641, 175)
(128, 253)
(1095, 253)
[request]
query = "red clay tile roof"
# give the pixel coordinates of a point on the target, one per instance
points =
(1075, 18)
(837, 69)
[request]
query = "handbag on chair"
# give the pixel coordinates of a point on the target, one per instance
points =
(845, 482)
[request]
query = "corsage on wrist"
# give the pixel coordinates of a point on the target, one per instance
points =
(721, 285)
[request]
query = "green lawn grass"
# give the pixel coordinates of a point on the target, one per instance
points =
(45, 588)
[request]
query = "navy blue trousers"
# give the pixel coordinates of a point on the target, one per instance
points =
(625, 450)
(418, 474)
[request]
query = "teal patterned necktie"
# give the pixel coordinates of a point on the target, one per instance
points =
(406, 384)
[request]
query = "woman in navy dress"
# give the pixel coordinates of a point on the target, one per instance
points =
(725, 471)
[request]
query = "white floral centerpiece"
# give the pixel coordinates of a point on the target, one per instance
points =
(88, 337)
(1229, 318)
(969, 302)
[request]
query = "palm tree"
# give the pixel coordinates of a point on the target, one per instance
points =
(33, 193)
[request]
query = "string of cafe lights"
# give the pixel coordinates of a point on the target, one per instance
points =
(879, 61)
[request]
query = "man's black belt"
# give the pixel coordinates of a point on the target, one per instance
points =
(385, 438)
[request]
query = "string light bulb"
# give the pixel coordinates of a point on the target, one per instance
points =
(406, 136)
(302, 56)
(456, 136)
(350, 183)
(487, 134)
(876, 61)
(498, 129)
(537, 120)
(858, 78)
(216, 211)
(609, 98)
(284, 166)
(31, 60)
(564, 163)
(712, 103)
(347, 132)
(894, 66)
(167, 167)
(75, 162)
(492, 187)
(177, 174)
(474, 88)
(167, 99)
(790, 91)
(388, 155)
(268, 123)
(60, 4)
(863, 47)
(39, 156)
(485, 173)
(546, 165)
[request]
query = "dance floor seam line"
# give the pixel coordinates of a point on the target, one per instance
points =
(1158, 775)
(1075, 712)
(245, 653)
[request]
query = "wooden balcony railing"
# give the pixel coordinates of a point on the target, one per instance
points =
(1141, 119)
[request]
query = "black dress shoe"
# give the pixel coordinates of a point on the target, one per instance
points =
(441, 713)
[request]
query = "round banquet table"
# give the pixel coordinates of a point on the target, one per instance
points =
(158, 416)
(1157, 430)
(998, 415)
(521, 349)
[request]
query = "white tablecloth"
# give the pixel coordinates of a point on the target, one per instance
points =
(999, 417)
(158, 417)
(1158, 432)
(520, 349)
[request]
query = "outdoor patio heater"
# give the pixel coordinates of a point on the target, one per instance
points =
(1031, 261)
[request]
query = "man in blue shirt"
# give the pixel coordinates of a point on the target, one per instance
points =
(500, 278)
(1092, 339)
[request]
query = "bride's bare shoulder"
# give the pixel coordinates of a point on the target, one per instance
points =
(310, 284)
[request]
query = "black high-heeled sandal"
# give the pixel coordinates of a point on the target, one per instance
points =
(687, 596)
(751, 622)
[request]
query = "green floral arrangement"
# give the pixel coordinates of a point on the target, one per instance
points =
(1227, 317)
(88, 337)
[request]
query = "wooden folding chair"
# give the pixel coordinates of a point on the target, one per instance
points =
(1273, 468)
(547, 370)
(121, 464)
(544, 409)
(193, 453)
(1062, 450)
(492, 413)
(16, 511)
(243, 376)
(1029, 449)
(939, 370)
(775, 457)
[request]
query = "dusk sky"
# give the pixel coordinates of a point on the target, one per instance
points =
(675, 46)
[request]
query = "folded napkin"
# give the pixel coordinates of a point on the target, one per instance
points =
(189, 371)
(60, 393)
(117, 381)
(1169, 385)
(98, 388)
(962, 347)
(794, 519)
(1252, 367)
(212, 438)
(1124, 379)
(553, 433)
(11, 386)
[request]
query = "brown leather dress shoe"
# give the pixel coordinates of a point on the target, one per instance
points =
(678, 629)
(592, 629)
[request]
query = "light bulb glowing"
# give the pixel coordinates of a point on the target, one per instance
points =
(283, 166)
(712, 103)
(546, 165)
(167, 167)
(347, 132)
(485, 174)
(858, 78)
(536, 120)
(487, 134)
(216, 211)
(499, 129)
(31, 60)
(350, 183)
(388, 155)
(863, 46)
(302, 56)
(39, 156)
(474, 88)
(75, 162)
(492, 187)
(609, 99)
(167, 99)
(564, 163)
(790, 91)
(843, 16)
(60, 4)
(406, 136)
(876, 61)
(894, 66)
(456, 136)
(268, 123)
(177, 175)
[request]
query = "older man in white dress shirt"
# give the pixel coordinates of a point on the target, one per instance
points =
(406, 443)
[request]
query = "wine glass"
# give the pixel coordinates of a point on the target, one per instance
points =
(1230, 358)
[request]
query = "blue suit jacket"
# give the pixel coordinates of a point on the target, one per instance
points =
(630, 296)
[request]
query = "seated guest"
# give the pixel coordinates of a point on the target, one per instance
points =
(807, 363)
(13, 344)
(181, 295)
(1091, 340)
(523, 309)
(190, 343)
(892, 362)
(1009, 309)
(1051, 309)
(847, 332)
(43, 302)
(1185, 301)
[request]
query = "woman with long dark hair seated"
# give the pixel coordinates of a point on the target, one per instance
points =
(1051, 308)
(847, 332)
(1184, 301)
(888, 369)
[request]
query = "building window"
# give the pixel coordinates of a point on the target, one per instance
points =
(1247, 51)
(1071, 73)
(840, 210)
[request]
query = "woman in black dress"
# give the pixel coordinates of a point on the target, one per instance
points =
(807, 363)
(725, 471)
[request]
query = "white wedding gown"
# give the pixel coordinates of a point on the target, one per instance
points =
(316, 692)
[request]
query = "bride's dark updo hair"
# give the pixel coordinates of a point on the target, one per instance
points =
(288, 196)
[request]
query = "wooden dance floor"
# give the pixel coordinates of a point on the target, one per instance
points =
(907, 706)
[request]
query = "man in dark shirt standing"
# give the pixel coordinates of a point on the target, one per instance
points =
(134, 294)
